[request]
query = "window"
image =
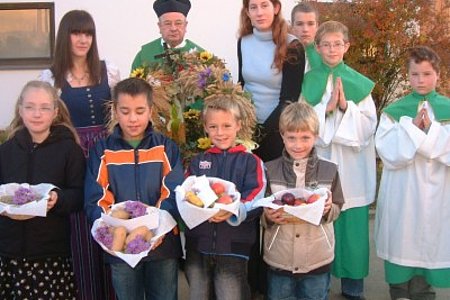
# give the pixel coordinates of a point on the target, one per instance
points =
(27, 35)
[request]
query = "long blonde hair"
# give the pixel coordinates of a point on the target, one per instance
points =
(279, 32)
(62, 117)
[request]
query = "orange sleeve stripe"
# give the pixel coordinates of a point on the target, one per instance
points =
(103, 180)
(155, 154)
(165, 192)
(106, 201)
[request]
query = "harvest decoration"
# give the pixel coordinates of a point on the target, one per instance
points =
(182, 83)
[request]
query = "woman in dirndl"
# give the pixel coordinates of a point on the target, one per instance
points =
(85, 83)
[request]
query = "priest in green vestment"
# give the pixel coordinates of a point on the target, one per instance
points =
(172, 25)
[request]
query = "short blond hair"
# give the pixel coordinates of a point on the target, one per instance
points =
(299, 116)
(239, 106)
(331, 27)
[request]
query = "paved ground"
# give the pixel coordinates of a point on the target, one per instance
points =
(375, 286)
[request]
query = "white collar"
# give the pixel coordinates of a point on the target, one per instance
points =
(181, 45)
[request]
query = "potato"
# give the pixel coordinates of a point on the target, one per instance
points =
(120, 214)
(141, 230)
(119, 236)
(149, 235)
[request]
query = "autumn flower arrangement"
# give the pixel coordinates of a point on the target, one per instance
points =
(182, 83)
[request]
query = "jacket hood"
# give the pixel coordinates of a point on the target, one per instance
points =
(57, 133)
(235, 149)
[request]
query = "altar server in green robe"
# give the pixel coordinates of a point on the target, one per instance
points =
(342, 100)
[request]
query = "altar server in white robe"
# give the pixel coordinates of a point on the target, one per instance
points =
(412, 228)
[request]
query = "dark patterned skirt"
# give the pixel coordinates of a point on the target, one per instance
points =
(33, 279)
(89, 136)
(93, 276)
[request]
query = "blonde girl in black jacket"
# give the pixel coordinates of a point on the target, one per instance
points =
(42, 147)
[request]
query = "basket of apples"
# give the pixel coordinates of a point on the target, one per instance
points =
(200, 198)
(299, 205)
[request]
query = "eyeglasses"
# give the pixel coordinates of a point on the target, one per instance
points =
(32, 109)
(336, 45)
(177, 24)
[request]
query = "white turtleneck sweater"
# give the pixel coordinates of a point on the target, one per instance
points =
(262, 80)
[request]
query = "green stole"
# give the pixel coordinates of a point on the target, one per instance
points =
(313, 56)
(408, 106)
(356, 86)
(149, 51)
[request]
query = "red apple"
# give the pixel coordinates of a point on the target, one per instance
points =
(299, 201)
(218, 188)
(313, 198)
(288, 198)
(225, 199)
(278, 202)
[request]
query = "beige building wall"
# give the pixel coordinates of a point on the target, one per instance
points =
(123, 26)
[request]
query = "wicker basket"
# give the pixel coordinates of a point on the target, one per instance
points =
(292, 219)
(7, 199)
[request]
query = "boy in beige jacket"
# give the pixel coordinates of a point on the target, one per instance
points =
(300, 255)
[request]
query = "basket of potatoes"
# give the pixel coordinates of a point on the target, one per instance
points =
(130, 229)
(132, 214)
(23, 199)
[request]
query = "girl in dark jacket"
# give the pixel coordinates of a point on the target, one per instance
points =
(42, 147)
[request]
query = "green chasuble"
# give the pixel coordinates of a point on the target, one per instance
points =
(148, 52)
(409, 105)
(356, 86)
(313, 56)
